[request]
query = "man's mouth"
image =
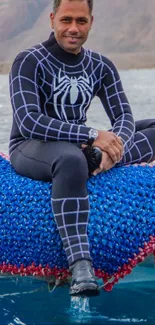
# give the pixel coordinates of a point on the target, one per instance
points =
(72, 37)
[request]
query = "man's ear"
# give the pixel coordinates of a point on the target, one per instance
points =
(52, 19)
(92, 19)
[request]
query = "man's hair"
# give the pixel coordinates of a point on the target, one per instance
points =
(57, 3)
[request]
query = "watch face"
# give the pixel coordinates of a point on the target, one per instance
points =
(93, 134)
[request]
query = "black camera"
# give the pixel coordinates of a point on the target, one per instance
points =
(93, 156)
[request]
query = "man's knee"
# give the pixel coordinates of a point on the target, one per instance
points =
(72, 165)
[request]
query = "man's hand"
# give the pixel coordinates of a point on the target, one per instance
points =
(105, 165)
(110, 143)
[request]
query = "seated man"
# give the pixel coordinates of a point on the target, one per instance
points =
(51, 86)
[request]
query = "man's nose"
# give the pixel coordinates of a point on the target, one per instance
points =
(73, 27)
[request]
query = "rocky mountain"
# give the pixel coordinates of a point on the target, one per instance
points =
(123, 29)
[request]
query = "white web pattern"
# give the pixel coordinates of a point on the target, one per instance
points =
(67, 92)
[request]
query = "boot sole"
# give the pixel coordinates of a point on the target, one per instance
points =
(89, 290)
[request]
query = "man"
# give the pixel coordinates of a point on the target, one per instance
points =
(51, 86)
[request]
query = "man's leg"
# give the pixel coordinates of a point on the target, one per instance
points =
(143, 148)
(65, 165)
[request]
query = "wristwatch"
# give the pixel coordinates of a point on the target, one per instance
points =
(93, 134)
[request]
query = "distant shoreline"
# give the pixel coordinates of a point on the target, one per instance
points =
(5, 67)
(123, 61)
(126, 61)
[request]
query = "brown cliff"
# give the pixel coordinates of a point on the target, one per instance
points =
(123, 29)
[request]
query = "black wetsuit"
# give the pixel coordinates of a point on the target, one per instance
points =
(51, 91)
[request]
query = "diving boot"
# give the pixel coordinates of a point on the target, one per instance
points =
(83, 279)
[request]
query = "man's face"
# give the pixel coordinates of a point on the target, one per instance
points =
(71, 23)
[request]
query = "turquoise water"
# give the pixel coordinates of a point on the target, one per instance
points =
(27, 301)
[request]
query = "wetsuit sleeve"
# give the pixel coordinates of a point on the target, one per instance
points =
(25, 100)
(116, 104)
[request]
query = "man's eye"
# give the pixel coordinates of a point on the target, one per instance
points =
(81, 21)
(66, 20)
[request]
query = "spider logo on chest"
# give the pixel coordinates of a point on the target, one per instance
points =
(72, 85)
(64, 85)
